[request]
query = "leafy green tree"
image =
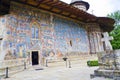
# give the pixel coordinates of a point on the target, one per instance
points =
(116, 32)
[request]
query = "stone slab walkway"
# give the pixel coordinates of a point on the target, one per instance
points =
(77, 72)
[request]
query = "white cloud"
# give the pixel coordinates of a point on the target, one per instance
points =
(101, 7)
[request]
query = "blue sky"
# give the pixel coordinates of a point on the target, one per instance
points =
(101, 7)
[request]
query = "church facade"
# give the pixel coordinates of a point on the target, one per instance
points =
(36, 29)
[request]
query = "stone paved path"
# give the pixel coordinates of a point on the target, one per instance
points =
(77, 72)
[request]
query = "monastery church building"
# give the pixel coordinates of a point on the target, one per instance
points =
(31, 30)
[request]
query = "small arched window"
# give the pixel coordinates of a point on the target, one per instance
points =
(35, 31)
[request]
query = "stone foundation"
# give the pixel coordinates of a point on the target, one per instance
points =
(107, 73)
(14, 66)
(109, 64)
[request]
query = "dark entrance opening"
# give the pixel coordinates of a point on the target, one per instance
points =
(35, 59)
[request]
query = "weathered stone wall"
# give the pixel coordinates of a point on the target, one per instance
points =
(117, 59)
(95, 36)
(109, 60)
(15, 65)
(2, 35)
(109, 64)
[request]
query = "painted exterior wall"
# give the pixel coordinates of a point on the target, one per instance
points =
(95, 37)
(66, 31)
(27, 28)
(2, 35)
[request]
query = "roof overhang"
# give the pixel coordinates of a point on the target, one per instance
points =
(106, 23)
(59, 7)
(64, 9)
(4, 7)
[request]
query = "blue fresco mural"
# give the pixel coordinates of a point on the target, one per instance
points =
(28, 27)
(66, 31)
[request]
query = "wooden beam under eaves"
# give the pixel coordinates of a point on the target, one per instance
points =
(26, 1)
(55, 10)
(46, 1)
(52, 2)
(56, 4)
(44, 6)
(4, 7)
(32, 2)
(65, 13)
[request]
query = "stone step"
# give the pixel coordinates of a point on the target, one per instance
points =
(107, 73)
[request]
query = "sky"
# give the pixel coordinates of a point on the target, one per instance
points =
(101, 7)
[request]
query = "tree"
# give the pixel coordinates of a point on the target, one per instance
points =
(116, 32)
(116, 17)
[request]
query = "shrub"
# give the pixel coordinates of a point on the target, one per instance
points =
(92, 63)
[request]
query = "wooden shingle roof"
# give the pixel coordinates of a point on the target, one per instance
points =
(64, 9)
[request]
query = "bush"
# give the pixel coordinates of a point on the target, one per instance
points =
(92, 63)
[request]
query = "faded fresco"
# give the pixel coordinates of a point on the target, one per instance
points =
(95, 37)
(2, 35)
(31, 29)
(70, 36)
